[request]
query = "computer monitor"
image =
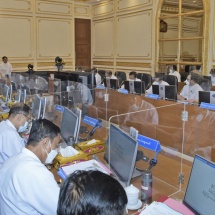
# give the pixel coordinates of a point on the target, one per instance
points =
(120, 153)
(168, 92)
(5, 92)
(69, 126)
(111, 83)
(78, 113)
(43, 107)
(200, 192)
(135, 86)
(207, 96)
(36, 107)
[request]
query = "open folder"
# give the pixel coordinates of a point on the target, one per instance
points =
(64, 171)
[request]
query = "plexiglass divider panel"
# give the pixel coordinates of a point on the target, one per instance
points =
(159, 120)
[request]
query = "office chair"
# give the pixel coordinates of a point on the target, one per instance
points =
(147, 78)
(121, 76)
(102, 73)
(171, 80)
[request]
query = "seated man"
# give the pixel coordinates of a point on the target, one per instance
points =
(190, 91)
(132, 77)
(158, 81)
(110, 75)
(172, 71)
(10, 140)
(27, 186)
(91, 193)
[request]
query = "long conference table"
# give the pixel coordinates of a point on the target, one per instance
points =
(161, 120)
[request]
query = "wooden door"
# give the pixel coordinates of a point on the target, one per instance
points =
(83, 43)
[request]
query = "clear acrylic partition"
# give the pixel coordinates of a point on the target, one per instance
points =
(78, 95)
(160, 120)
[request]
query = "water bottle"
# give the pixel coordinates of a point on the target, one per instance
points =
(146, 187)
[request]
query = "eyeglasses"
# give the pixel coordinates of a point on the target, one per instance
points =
(28, 118)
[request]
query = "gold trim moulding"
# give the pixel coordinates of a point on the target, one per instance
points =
(41, 64)
(134, 64)
(18, 65)
(106, 63)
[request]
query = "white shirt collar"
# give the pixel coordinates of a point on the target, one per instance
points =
(11, 124)
(30, 153)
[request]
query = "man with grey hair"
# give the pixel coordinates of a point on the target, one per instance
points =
(10, 140)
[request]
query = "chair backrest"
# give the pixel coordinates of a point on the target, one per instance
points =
(121, 76)
(147, 78)
(205, 83)
(102, 73)
(171, 80)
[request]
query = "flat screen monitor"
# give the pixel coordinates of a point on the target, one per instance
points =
(69, 126)
(168, 92)
(36, 107)
(200, 192)
(43, 107)
(135, 86)
(111, 83)
(5, 92)
(120, 153)
(207, 96)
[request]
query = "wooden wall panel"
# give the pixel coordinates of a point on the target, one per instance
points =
(54, 38)
(54, 8)
(14, 44)
(103, 9)
(16, 5)
(82, 11)
(103, 38)
(134, 4)
(132, 39)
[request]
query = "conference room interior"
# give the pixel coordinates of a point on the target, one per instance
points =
(122, 36)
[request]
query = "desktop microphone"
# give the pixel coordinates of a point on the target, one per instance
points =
(153, 163)
(141, 156)
(148, 86)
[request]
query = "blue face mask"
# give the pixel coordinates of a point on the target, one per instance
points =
(22, 128)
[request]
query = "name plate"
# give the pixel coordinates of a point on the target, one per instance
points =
(100, 87)
(91, 121)
(148, 143)
(59, 108)
(124, 91)
(153, 96)
(207, 106)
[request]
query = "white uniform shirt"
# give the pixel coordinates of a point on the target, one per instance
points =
(27, 186)
(156, 83)
(191, 92)
(136, 79)
(98, 79)
(10, 141)
(113, 77)
(213, 80)
(177, 74)
(5, 69)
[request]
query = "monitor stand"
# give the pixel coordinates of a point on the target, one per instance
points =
(137, 173)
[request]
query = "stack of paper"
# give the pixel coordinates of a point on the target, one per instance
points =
(63, 172)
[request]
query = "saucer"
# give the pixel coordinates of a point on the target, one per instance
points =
(135, 207)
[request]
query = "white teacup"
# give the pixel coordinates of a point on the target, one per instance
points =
(132, 194)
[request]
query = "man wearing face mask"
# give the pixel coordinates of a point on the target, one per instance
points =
(172, 71)
(10, 140)
(27, 186)
(190, 91)
(158, 81)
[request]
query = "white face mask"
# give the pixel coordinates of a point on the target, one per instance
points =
(170, 70)
(51, 155)
(22, 128)
(187, 82)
